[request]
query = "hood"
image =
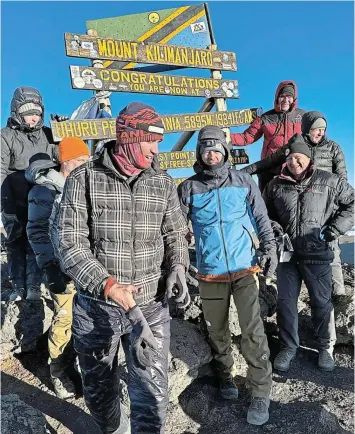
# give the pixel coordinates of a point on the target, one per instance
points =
(309, 118)
(199, 166)
(45, 171)
(209, 132)
(23, 95)
(279, 87)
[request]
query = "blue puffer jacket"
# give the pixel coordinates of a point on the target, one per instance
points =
(48, 184)
(224, 205)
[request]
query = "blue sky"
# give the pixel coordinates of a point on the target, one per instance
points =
(311, 43)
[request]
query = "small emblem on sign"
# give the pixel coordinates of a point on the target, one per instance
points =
(87, 45)
(153, 17)
(198, 27)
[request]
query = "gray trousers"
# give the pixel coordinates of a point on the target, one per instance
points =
(215, 299)
(337, 272)
(318, 280)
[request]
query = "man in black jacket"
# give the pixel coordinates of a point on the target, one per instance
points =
(23, 137)
(302, 200)
(327, 155)
(48, 180)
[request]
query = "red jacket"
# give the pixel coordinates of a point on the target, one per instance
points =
(276, 126)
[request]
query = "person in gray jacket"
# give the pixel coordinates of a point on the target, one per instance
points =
(48, 180)
(302, 201)
(24, 136)
(327, 155)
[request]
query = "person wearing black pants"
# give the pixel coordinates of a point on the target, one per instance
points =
(302, 201)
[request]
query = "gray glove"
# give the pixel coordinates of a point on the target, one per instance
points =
(143, 342)
(176, 286)
(268, 262)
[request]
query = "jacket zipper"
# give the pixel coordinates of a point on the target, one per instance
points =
(132, 231)
(220, 224)
(132, 220)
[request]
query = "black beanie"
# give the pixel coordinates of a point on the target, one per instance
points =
(288, 90)
(299, 146)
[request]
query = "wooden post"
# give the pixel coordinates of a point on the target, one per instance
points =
(221, 104)
(186, 136)
(104, 103)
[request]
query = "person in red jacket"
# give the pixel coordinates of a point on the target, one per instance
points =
(277, 126)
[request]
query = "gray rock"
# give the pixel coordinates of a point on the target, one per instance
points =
(189, 351)
(18, 417)
(22, 324)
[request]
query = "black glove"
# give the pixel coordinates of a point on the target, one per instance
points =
(329, 235)
(142, 340)
(59, 118)
(176, 286)
(277, 229)
(268, 262)
(57, 281)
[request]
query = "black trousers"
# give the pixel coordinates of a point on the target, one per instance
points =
(318, 280)
(23, 270)
(97, 329)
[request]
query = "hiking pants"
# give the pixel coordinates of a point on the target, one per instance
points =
(318, 280)
(97, 329)
(215, 299)
(59, 336)
(23, 270)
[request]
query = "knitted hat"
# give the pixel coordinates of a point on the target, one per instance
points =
(29, 108)
(211, 138)
(288, 90)
(297, 145)
(72, 147)
(319, 123)
(137, 123)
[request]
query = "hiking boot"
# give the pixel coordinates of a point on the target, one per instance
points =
(63, 387)
(33, 294)
(17, 295)
(326, 360)
(228, 389)
(258, 412)
(283, 359)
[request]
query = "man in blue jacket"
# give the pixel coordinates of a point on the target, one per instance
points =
(224, 205)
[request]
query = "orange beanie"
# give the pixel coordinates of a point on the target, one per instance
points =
(72, 147)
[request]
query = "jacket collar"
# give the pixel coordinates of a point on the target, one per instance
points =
(287, 175)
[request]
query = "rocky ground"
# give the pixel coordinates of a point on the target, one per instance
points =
(304, 400)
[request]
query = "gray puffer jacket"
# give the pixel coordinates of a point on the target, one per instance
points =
(304, 208)
(48, 185)
(18, 144)
(327, 155)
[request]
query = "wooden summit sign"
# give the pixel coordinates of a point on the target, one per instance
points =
(93, 47)
(117, 80)
(99, 129)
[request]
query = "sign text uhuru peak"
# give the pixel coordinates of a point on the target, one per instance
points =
(106, 128)
(135, 51)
